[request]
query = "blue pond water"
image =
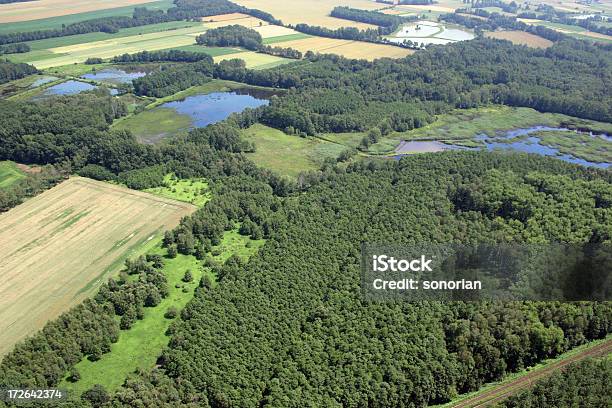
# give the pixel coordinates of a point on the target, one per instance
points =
(215, 107)
(70, 88)
(114, 76)
(529, 144)
(42, 81)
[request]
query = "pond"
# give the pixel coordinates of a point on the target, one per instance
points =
(42, 81)
(69, 88)
(217, 106)
(528, 140)
(429, 32)
(113, 76)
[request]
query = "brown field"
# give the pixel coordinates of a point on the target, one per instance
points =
(56, 248)
(346, 48)
(313, 12)
(521, 38)
(34, 10)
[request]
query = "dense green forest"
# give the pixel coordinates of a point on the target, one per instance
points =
(586, 384)
(232, 35)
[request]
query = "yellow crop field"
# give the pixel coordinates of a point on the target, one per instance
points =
(346, 48)
(117, 46)
(255, 60)
(56, 248)
(313, 12)
(264, 28)
(34, 10)
(521, 38)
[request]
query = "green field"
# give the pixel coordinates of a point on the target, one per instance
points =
(9, 174)
(140, 346)
(56, 22)
(151, 126)
(194, 191)
(283, 38)
(67, 50)
(288, 154)
(212, 51)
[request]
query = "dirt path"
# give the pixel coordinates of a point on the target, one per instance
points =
(506, 389)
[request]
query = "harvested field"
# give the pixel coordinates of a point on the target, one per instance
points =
(346, 48)
(56, 248)
(256, 60)
(34, 10)
(521, 38)
(313, 12)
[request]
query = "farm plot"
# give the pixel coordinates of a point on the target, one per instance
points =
(348, 49)
(313, 12)
(521, 38)
(56, 248)
(70, 54)
(34, 10)
(265, 29)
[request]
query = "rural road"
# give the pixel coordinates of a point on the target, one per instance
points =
(506, 389)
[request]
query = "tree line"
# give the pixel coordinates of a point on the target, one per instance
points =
(239, 36)
(388, 23)
(10, 71)
(33, 184)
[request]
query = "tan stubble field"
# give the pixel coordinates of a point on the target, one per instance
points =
(58, 247)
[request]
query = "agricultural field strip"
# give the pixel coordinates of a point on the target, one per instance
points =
(41, 9)
(61, 243)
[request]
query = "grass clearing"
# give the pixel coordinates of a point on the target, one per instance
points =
(151, 126)
(59, 246)
(46, 14)
(256, 60)
(212, 51)
(140, 346)
(10, 174)
(285, 38)
(288, 154)
(193, 191)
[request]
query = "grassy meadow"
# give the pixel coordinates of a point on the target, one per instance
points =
(9, 174)
(140, 346)
(289, 154)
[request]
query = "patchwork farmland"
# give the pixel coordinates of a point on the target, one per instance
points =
(41, 9)
(56, 248)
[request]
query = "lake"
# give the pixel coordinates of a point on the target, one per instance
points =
(217, 106)
(113, 76)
